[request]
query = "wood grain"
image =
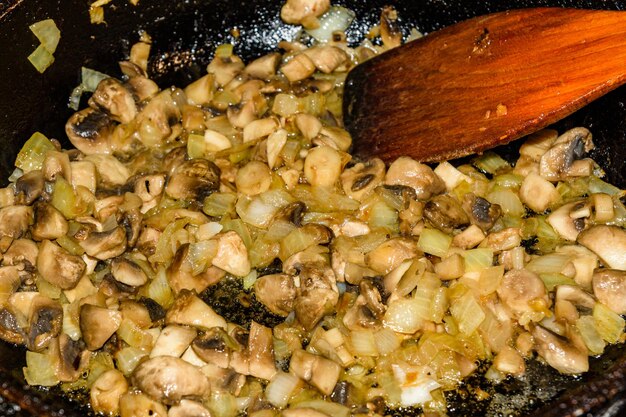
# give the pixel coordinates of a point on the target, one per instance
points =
(483, 82)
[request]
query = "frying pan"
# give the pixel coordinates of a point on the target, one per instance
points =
(185, 33)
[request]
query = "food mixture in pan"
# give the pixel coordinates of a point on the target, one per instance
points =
(378, 286)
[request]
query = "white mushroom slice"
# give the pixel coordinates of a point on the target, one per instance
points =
(115, 99)
(609, 286)
(409, 172)
(259, 129)
(110, 169)
(128, 272)
(523, 292)
(253, 178)
(538, 144)
(105, 245)
(360, 180)
(15, 220)
(451, 176)
(391, 253)
(556, 163)
(261, 352)
(469, 237)
(97, 325)
(560, 353)
(56, 163)
(193, 180)
(169, 380)
(232, 254)
(215, 141)
(538, 193)
(309, 125)
(149, 187)
(298, 68)
(335, 137)
(106, 392)
(295, 11)
(326, 58)
(9, 282)
(225, 69)
(188, 408)
(509, 361)
(276, 292)
(322, 166)
(275, 144)
(200, 92)
(320, 372)
(134, 404)
(264, 67)
(608, 242)
(173, 341)
(190, 310)
(564, 224)
(59, 267)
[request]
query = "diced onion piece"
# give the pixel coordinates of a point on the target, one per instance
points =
(451, 176)
(434, 242)
(609, 324)
(41, 58)
(416, 386)
(363, 343)
(219, 204)
(132, 334)
(280, 388)
(386, 341)
(491, 163)
(596, 185)
(159, 289)
(128, 358)
(41, 369)
(406, 315)
(552, 280)
(553, 263)
(587, 327)
(508, 201)
(48, 34)
(33, 153)
(468, 313)
(477, 260)
(336, 19)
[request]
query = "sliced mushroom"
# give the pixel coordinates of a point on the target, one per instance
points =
(73, 358)
(133, 404)
(115, 99)
(390, 31)
(214, 346)
(49, 222)
(320, 372)
(302, 412)
(232, 255)
(106, 392)
(173, 341)
(56, 163)
(45, 322)
(58, 266)
(21, 252)
(181, 277)
(569, 300)
(368, 309)
(445, 213)
(277, 292)
(538, 193)
(188, 408)
(225, 68)
(29, 187)
(564, 223)
(15, 220)
(261, 352)
(523, 292)
(105, 245)
(360, 180)
(297, 11)
(322, 166)
(128, 272)
(559, 352)
(298, 68)
(556, 164)
(609, 286)
(253, 178)
(193, 180)
(481, 212)
(608, 242)
(391, 253)
(137, 312)
(264, 67)
(142, 87)
(10, 281)
(90, 131)
(156, 119)
(169, 380)
(326, 58)
(10, 330)
(409, 172)
(97, 325)
(188, 309)
(111, 171)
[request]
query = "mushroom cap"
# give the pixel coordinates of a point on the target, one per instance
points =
(105, 245)
(609, 286)
(89, 130)
(15, 220)
(97, 324)
(115, 99)
(193, 180)
(559, 353)
(608, 242)
(106, 392)
(169, 379)
(276, 292)
(58, 266)
(520, 287)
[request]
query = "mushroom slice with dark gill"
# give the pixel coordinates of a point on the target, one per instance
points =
(193, 180)
(261, 352)
(558, 163)
(481, 212)
(73, 358)
(58, 266)
(445, 213)
(169, 380)
(97, 324)
(45, 323)
(409, 172)
(318, 371)
(105, 245)
(214, 346)
(15, 220)
(49, 222)
(29, 187)
(90, 130)
(128, 272)
(523, 292)
(115, 99)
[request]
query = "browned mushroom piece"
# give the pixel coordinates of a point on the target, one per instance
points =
(105, 245)
(557, 163)
(136, 404)
(390, 31)
(569, 301)
(73, 358)
(97, 325)
(566, 222)
(326, 58)
(409, 172)
(360, 180)
(181, 277)
(225, 68)
(142, 87)
(188, 309)
(560, 353)
(608, 242)
(193, 180)
(300, 11)
(609, 286)
(277, 292)
(49, 222)
(15, 220)
(302, 412)
(261, 352)
(57, 266)
(391, 253)
(128, 272)
(45, 323)
(157, 117)
(10, 330)
(112, 97)
(232, 254)
(264, 67)
(90, 131)
(445, 213)
(522, 292)
(188, 408)
(106, 392)
(21, 252)
(368, 308)
(481, 212)
(29, 187)
(168, 379)
(10, 281)
(214, 346)
(318, 371)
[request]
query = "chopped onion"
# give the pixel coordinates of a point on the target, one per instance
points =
(386, 341)
(33, 153)
(508, 200)
(41, 369)
(363, 343)
(609, 324)
(415, 386)
(467, 312)
(491, 163)
(587, 327)
(132, 334)
(434, 242)
(553, 263)
(41, 58)
(49, 35)
(280, 388)
(407, 315)
(336, 19)
(128, 358)
(477, 260)
(89, 80)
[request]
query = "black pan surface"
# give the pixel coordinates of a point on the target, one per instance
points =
(185, 33)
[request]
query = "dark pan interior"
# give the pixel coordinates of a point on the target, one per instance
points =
(185, 33)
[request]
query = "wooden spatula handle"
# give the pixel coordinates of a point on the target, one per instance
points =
(483, 82)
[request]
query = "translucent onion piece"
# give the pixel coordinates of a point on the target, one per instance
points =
(337, 18)
(33, 153)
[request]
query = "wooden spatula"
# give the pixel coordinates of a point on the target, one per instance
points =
(483, 82)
